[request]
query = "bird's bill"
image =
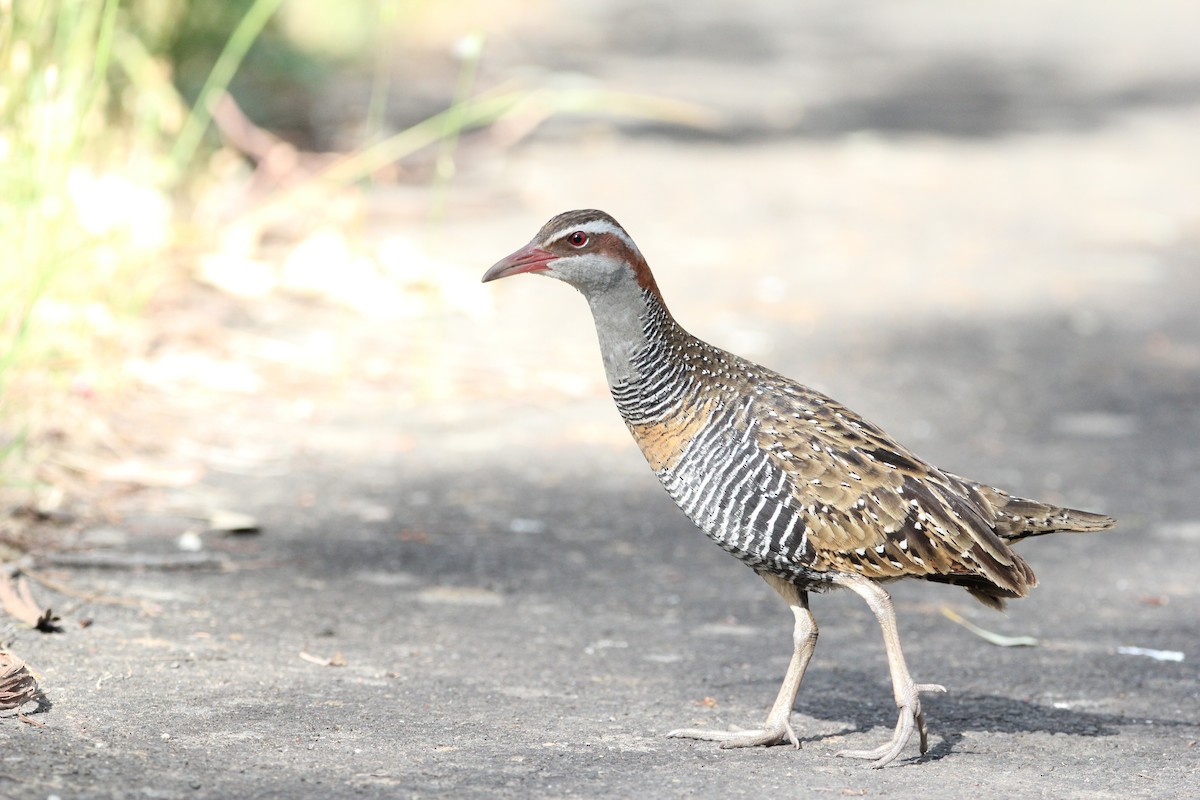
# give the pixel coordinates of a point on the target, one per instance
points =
(528, 259)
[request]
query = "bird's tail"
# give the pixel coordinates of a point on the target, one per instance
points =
(1015, 518)
(1020, 519)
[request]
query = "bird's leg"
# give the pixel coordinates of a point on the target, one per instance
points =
(778, 727)
(908, 693)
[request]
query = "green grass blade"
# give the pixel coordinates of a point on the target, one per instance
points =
(222, 73)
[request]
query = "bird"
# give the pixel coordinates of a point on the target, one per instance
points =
(808, 494)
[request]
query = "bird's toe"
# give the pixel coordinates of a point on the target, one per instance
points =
(731, 739)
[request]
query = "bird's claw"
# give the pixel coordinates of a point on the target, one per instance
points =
(911, 719)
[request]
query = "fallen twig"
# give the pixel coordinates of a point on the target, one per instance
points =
(111, 560)
(87, 597)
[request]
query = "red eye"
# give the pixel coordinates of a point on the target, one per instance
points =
(578, 239)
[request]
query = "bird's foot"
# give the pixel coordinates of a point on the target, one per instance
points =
(772, 733)
(911, 718)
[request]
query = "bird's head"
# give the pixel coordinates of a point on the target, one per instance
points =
(587, 249)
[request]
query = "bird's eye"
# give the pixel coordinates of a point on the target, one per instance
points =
(577, 239)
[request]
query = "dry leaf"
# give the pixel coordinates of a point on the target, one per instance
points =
(17, 684)
(145, 473)
(232, 522)
(336, 660)
(1157, 655)
(998, 639)
(17, 599)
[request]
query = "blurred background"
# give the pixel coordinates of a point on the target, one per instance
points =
(240, 253)
(232, 229)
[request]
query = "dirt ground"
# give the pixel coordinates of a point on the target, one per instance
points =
(978, 225)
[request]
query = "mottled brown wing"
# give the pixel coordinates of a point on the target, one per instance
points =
(871, 507)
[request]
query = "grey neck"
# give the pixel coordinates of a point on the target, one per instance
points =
(625, 316)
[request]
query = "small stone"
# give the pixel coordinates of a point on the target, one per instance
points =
(190, 542)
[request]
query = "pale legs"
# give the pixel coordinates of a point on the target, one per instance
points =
(908, 694)
(778, 727)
